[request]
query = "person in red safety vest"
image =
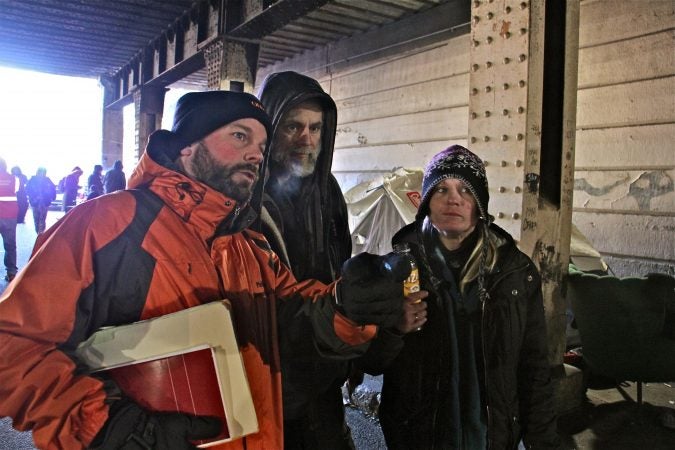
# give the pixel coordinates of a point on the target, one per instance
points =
(8, 212)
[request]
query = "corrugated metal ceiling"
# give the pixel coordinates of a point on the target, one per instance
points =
(84, 38)
(90, 38)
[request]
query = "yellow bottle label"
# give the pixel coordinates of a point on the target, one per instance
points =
(412, 283)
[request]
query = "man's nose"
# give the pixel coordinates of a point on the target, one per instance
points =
(305, 137)
(254, 154)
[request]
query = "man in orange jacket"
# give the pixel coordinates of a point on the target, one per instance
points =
(177, 238)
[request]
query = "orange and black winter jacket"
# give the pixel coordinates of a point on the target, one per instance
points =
(167, 245)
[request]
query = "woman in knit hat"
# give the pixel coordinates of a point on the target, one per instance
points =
(473, 372)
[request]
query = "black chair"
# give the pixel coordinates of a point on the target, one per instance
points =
(626, 325)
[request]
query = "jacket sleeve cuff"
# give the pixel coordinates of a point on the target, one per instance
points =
(350, 332)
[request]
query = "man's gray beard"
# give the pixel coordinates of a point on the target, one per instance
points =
(298, 169)
(219, 176)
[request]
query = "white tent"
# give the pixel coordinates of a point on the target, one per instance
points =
(379, 208)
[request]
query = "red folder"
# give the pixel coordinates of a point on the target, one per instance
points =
(186, 383)
(186, 362)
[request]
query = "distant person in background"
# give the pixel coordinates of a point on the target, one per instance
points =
(8, 212)
(41, 193)
(115, 179)
(95, 182)
(21, 197)
(70, 188)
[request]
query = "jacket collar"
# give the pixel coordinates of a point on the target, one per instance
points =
(191, 200)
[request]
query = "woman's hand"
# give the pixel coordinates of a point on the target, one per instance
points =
(414, 313)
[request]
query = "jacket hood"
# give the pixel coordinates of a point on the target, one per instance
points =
(281, 92)
(187, 197)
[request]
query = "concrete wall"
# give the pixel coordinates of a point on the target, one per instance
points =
(397, 108)
(624, 200)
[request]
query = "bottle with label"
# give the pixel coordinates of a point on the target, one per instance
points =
(412, 283)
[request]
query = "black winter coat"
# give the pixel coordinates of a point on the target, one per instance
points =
(515, 378)
(308, 228)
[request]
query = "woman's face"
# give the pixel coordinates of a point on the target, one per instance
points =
(453, 210)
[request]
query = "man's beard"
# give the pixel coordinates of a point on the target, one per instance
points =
(219, 176)
(297, 168)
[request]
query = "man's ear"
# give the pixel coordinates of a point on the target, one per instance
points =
(185, 151)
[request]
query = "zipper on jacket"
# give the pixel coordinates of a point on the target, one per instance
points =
(485, 374)
(435, 418)
(482, 343)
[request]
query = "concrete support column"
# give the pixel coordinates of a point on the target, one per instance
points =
(112, 134)
(231, 66)
(148, 107)
(522, 107)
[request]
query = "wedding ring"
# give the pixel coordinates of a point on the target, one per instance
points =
(419, 328)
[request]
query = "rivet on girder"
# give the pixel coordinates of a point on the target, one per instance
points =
(503, 163)
(505, 112)
(473, 115)
(488, 64)
(476, 4)
(500, 215)
(521, 83)
(523, 31)
(474, 67)
(507, 9)
(502, 189)
(475, 20)
(521, 110)
(518, 163)
(522, 57)
(517, 189)
(506, 35)
(489, 15)
(507, 60)
(488, 89)
(505, 137)
(486, 138)
(474, 91)
(515, 216)
(523, 5)
(476, 43)
(520, 136)
(486, 113)
(488, 40)
(505, 86)
(473, 140)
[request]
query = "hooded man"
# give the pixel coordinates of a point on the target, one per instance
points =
(114, 179)
(307, 223)
(301, 194)
(71, 185)
(177, 239)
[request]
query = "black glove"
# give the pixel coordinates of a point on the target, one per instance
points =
(371, 289)
(130, 427)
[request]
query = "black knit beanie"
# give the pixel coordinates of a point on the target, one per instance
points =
(456, 162)
(200, 113)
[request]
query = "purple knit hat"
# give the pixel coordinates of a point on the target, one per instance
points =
(459, 163)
